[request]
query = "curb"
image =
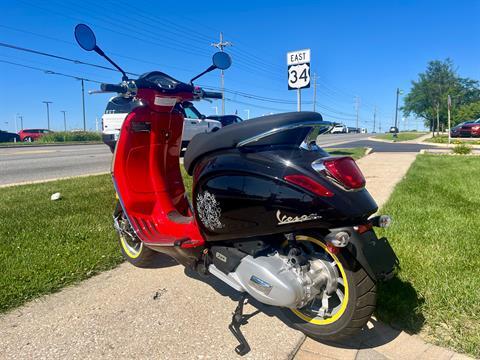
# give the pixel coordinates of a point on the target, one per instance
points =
(48, 144)
(368, 150)
(50, 180)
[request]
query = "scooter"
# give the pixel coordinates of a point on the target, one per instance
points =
(272, 215)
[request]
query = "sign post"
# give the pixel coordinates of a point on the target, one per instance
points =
(298, 63)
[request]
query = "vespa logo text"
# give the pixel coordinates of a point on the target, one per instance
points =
(285, 219)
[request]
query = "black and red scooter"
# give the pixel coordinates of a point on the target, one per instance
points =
(272, 214)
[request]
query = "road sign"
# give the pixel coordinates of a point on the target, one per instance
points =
(298, 69)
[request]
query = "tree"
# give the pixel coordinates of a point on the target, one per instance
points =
(427, 98)
(467, 112)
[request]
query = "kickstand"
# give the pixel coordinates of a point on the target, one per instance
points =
(238, 319)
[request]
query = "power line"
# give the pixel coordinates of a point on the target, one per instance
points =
(50, 72)
(15, 47)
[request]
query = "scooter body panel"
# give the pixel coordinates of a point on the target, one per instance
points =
(241, 194)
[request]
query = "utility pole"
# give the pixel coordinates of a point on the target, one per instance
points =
(396, 111)
(374, 117)
(248, 113)
(21, 121)
(221, 45)
(314, 91)
(216, 109)
(357, 106)
(48, 112)
(64, 119)
(83, 105)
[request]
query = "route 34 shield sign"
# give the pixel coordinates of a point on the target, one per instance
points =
(298, 69)
(298, 76)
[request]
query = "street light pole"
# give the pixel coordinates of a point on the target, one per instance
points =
(48, 112)
(64, 119)
(248, 113)
(83, 106)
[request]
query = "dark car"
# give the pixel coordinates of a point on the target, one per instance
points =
(8, 137)
(393, 130)
(226, 119)
(471, 129)
(455, 131)
(29, 135)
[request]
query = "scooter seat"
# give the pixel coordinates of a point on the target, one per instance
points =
(231, 135)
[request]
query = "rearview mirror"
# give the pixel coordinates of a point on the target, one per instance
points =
(85, 37)
(221, 60)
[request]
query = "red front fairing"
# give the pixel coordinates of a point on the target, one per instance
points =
(147, 177)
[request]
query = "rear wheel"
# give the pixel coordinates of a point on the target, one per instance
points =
(342, 314)
(27, 139)
(132, 248)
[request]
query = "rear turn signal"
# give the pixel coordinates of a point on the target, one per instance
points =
(346, 172)
(309, 184)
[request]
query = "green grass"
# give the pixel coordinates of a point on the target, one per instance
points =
(443, 139)
(67, 136)
(402, 136)
(355, 153)
(436, 237)
(46, 245)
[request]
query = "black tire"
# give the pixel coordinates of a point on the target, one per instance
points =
(134, 250)
(215, 129)
(359, 306)
(27, 139)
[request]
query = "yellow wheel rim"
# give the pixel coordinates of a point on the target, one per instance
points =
(129, 250)
(339, 313)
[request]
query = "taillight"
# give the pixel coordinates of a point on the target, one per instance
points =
(309, 184)
(346, 172)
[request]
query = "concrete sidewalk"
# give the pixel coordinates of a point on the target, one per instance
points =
(166, 314)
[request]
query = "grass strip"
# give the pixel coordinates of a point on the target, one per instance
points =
(401, 136)
(435, 235)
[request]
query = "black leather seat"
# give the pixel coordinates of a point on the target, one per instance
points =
(229, 136)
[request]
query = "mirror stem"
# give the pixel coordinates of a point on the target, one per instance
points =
(101, 53)
(211, 68)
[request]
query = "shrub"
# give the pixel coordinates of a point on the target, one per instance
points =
(462, 149)
(63, 136)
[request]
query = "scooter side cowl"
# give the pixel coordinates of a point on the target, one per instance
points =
(240, 194)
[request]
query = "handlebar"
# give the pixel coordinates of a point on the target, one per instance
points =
(113, 88)
(212, 95)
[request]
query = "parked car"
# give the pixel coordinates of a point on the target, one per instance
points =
(226, 119)
(363, 130)
(118, 107)
(470, 129)
(393, 130)
(29, 135)
(339, 129)
(455, 131)
(6, 136)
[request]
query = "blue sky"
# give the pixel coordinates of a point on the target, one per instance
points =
(359, 48)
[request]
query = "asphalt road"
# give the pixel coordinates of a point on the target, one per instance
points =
(27, 164)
